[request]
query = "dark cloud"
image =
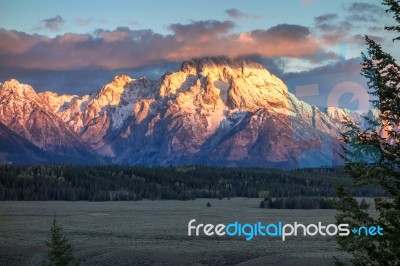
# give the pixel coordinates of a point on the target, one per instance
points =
(329, 17)
(54, 23)
(328, 23)
(342, 66)
(234, 13)
(121, 48)
(283, 31)
(364, 12)
(125, 48)
(362, 18)
(294, 41)
(332, 31)
(85, 62)
(333, 34)
(201, 30)
(359, 7)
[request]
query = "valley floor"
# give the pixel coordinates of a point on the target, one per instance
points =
(155, 233)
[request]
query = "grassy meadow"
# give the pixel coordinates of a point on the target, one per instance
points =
(155, 233)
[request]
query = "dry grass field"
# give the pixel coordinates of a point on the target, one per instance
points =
(155, 233)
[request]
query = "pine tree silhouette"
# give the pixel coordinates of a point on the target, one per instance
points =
(372, 156)
(60, 251)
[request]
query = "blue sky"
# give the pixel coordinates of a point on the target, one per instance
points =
(26, 16)
(76, 46)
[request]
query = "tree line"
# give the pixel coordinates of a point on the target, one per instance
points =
(110, 183)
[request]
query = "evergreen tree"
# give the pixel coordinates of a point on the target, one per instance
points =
(60, 251)
(372, 156)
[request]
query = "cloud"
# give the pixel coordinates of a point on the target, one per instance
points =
(364, 12)
(283, 31)
(359, 7)
(127, 48)
(329, 17)
(201, 30)
(234, 13)
(335, 33)
(334, 30)
(362, 18)
(352, 65)
(54, 23)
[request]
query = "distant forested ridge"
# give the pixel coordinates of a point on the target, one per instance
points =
(104, 183)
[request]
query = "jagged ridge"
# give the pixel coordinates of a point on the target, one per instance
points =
(211, 111)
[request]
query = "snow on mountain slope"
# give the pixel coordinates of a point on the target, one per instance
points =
(23, 111)
(251, 120)
(211, 111)
(94, 116)
(341, 115)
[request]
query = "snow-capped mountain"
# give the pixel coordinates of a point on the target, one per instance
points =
(29, 116)
(212, 111)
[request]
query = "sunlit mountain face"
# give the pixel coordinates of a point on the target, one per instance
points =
(220, 84)
(213, 111)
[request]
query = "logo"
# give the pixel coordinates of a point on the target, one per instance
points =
(280, 229)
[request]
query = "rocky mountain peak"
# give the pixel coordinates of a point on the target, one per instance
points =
(201, 64)
(110, 94)
(343, 114)
(11, 83)
(221, 68)
(213, 110)
(54, 101)
(14, 87)
(256, 83)
(121, 80)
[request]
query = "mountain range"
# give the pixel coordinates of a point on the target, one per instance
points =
(212, 111)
